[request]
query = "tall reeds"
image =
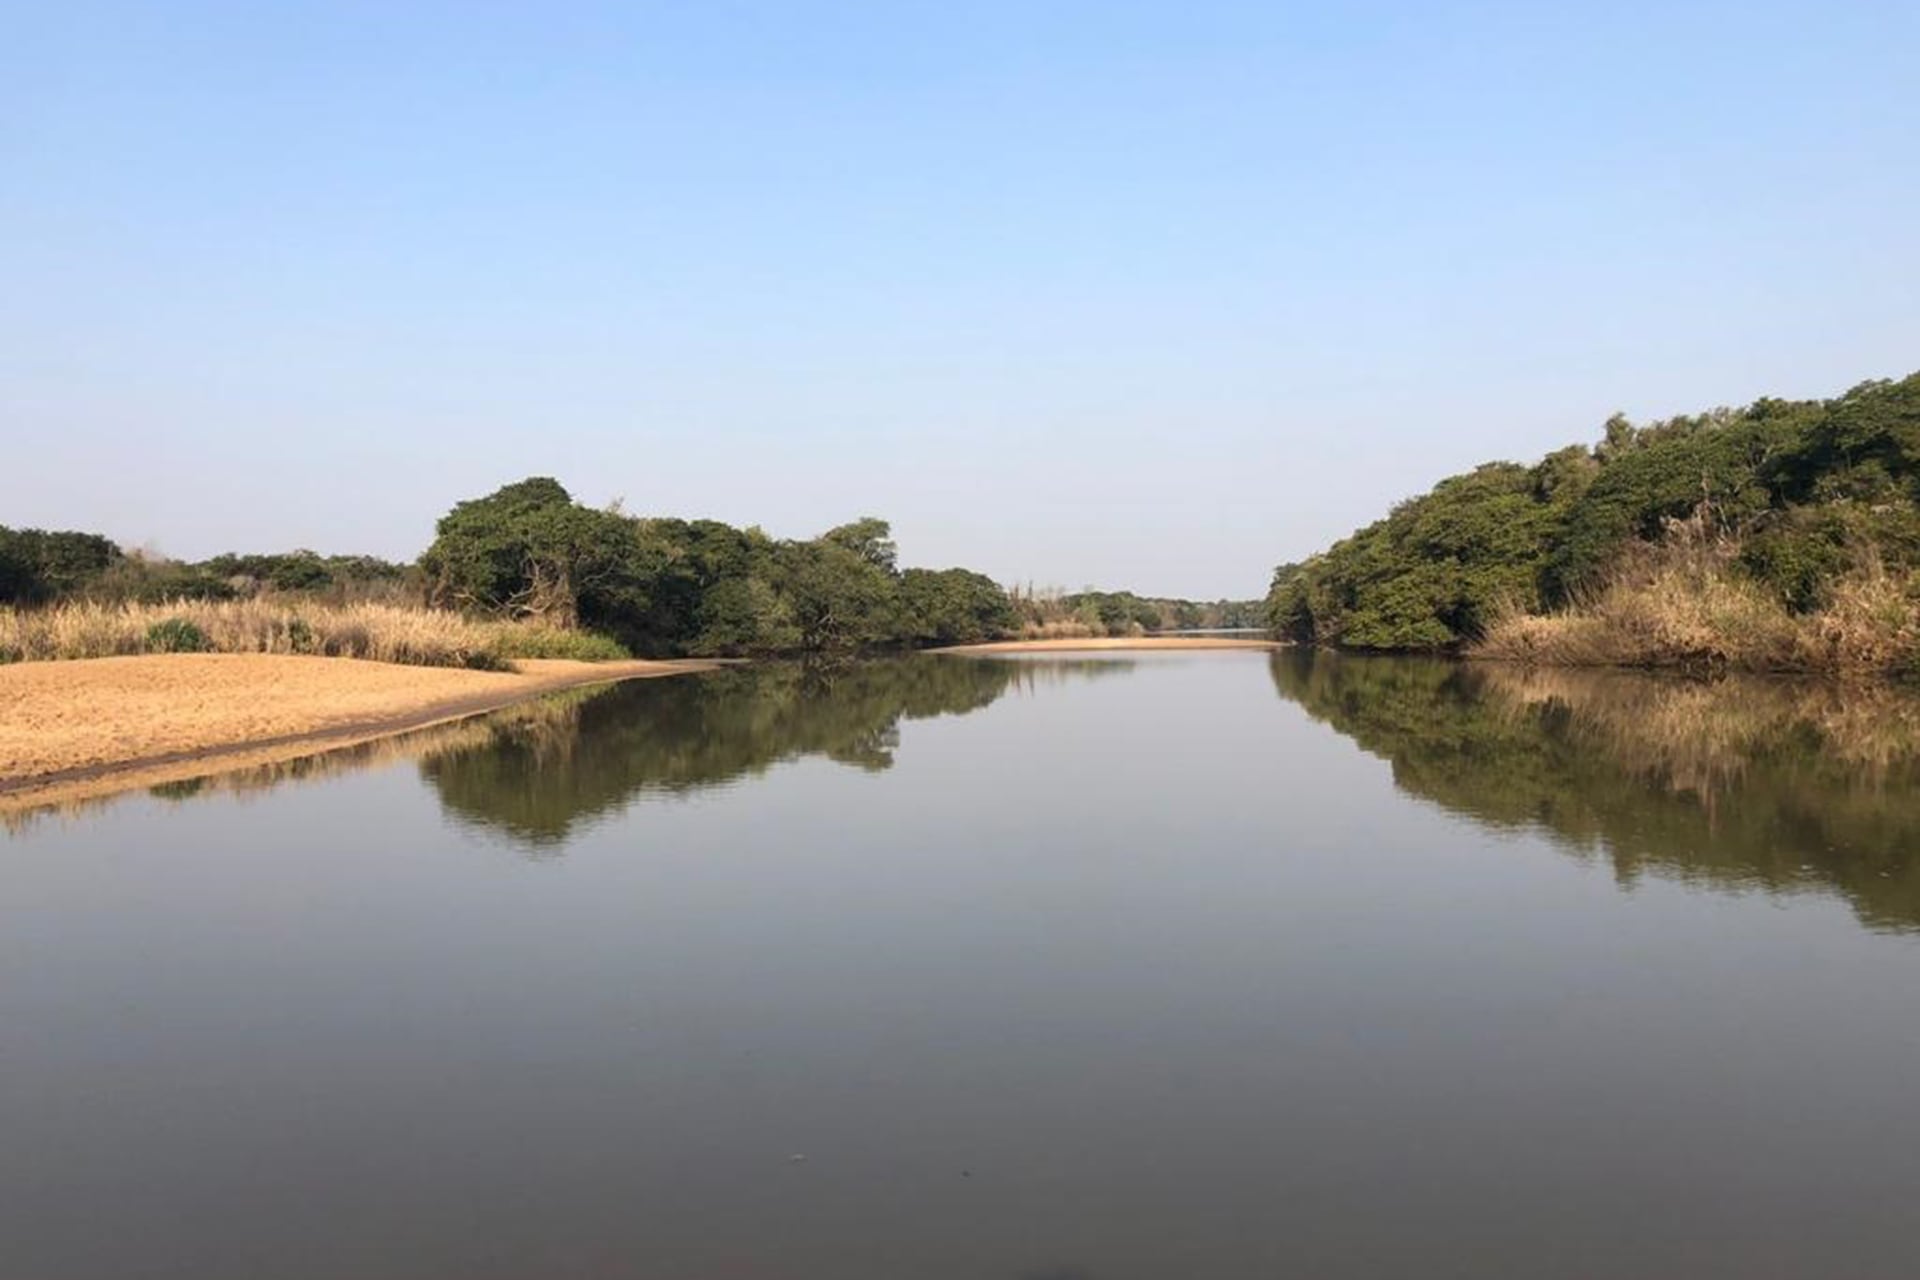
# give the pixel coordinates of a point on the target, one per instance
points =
(1685, 603)
(380, 632)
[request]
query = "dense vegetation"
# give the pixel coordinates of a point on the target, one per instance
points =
(698, 587)
(1801, 497)
(594, 581)
(40, 567)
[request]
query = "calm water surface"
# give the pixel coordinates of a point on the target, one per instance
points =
(1208, 965)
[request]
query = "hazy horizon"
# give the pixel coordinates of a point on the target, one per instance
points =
(1138, 297)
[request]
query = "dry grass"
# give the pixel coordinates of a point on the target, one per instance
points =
(1685, 604)
(1068, 628)
(379, 632)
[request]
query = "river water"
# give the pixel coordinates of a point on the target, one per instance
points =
(1139, 967)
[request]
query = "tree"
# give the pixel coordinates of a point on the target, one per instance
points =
(528, 550)
(743, 616)
(953, 606)
(842, 598)
(38, 564)
(870, 538)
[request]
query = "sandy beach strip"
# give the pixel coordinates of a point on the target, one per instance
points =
(97, 724)
(1114, 642)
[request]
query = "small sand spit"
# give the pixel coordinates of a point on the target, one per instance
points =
(119, 721)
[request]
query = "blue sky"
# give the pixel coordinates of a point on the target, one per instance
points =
(1083, 293)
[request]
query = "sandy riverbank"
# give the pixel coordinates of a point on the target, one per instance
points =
(1114, 642)
(84, 728)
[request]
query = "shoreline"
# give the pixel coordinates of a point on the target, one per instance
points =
(79, 729)
(1108, 643)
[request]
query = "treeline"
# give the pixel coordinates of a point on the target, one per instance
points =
(1045, 614)
(662, 587)
(1798, 502)
(529, 553)
(38, 567)
(698, 587)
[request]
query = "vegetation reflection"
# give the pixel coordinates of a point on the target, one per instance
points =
(1755, 784)
(537, 778)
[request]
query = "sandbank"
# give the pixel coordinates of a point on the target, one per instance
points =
(87, 727)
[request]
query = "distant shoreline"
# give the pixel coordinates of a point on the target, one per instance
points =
(70, 730)
(1111, 643)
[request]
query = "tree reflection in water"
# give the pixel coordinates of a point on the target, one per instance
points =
(1762, 784)
(537, 778)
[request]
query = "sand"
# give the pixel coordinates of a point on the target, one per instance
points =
(90, 726)
(1114, 642)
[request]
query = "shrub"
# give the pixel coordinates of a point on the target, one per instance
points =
(177, 635)
(550, 642)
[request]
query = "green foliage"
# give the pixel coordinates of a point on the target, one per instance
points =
(37, 565)
(177, 635)
(19, 578)
(1718, 462)
(601, 584)
(954, 606)
(742, 616)
(670, 586)
(529, 551)
(1809, 488)
(551, 642)
(841, 597)
(870, 538)
(301, 571)
(1115, 613)
(40, 567)
(1865, 445)
(1438, 567)
(1121, 613)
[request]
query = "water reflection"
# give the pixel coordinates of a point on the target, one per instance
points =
(537, 770)
(538, 778)
(1741, 783)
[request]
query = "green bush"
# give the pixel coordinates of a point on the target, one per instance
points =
(551, 642)
(177, 635)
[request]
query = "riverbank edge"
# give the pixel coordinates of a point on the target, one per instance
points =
(533, 679)
(1111, 643)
